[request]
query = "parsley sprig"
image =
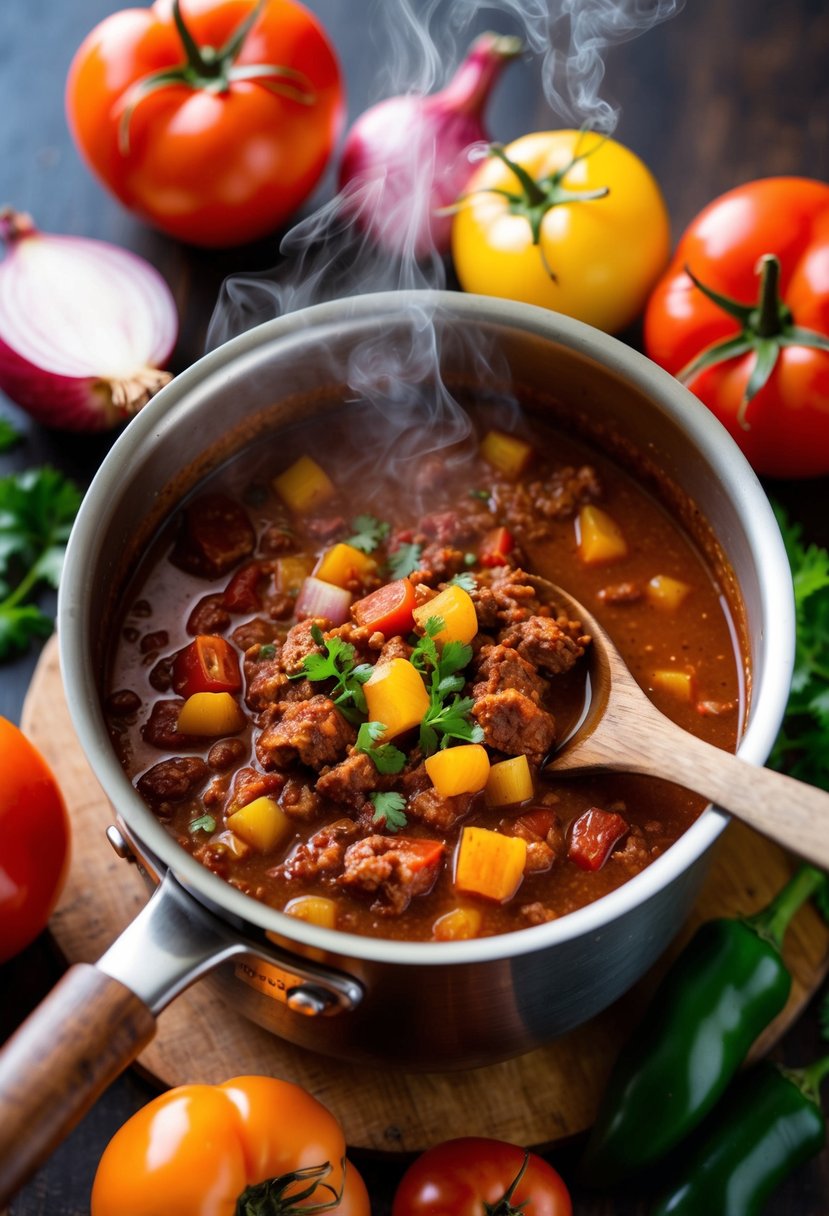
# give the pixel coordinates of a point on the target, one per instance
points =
(801, 745)
(444, 719)
(36, 513)
(369, 532)
(404, 560)
(388, 810)
(338, 662)
(387, 758)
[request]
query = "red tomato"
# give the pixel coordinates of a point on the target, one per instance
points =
(34, 841)
(196, 1149)
(770, 387)
(226, 150)
(495, 546)
(242, 592)
(208, 664)
(593, 836)
(461, 1177)
(388, 609)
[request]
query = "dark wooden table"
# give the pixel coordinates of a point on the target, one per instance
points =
(719, 94)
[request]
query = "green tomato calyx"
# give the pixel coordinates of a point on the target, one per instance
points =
(213, 70)
(766, 327)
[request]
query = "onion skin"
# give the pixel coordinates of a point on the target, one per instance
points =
(77, 402)
(406, 158)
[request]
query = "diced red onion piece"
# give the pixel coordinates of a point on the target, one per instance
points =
(318, 598)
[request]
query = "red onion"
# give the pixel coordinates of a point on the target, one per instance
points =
(407, 157)
(318, 598)
(84, 326)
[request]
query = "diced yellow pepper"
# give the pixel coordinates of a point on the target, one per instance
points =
(599, 537)
(457, 611)
(509, 781)
(457, 925)
(342, 563)
(506, 453)
(666, 592)
(210, 714)
(291, 572)
(262, 823)
(458, 770)
(315, 909)
(396, 696)
(490, 864)
(680, 684)
(304, 486)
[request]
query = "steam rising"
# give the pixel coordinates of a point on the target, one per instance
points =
(326, 256)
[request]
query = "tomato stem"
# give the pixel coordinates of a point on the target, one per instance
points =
(765, 328)
(270, 1197)
(504, 1206)
(214, 70)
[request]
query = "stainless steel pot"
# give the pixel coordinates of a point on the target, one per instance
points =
(425, 1005)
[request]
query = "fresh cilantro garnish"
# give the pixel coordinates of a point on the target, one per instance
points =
(404, 560)
(801, 748)
(338, 663)
(388, 810)
(36, 513)
(368, 533)
(266, 651)
(387, 758)
(204, 823)
(465, 580)
(444, 720)
(9, 435)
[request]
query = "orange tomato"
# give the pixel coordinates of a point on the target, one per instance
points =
(213, 132)
(197, 1149)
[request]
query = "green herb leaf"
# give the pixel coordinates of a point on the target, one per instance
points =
(801, 748)
(36, 513)
(368, 533)
(388, 810)
(484, 495)
(465, 580)
(444, 720)
(9, 435)
(266, 651)
(404, 560)
(204, 823)
(339, 664)
(386, 757)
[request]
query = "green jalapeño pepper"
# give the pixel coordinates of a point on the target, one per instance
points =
(767, 1125)
(721, 992)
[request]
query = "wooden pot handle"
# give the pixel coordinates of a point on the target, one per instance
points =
(59, 1061)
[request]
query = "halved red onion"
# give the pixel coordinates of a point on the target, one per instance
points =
(84, 327)
(318, 598)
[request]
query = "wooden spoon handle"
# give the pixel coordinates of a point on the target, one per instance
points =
(77, 1041)
(790, 812)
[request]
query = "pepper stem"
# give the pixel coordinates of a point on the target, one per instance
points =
(771, 922)
(809, 1080)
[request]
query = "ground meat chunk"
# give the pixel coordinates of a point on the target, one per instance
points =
(445, 527)
(299, 643)
(249, 784)
(621, 593)
(387, 867)
(438, 563)
(266, 682)
(276, 539)
(225, 753)
(499, 667)
(172, 780)
(320, 856)
(257, 632)
(160, 728)
(514, 724)
(554, 646)
(510, 597)
(209, 616)
(537, 913)
(300, 801)
(634, 854)
(351, 780)
(529, 507)
(436, 810)
(394, 648)
(313, 732)
(215, 534)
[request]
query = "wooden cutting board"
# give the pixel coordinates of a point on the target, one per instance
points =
(544, 1097)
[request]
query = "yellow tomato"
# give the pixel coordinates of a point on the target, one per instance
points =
(582, 230)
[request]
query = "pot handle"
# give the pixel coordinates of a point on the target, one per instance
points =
(52, 1069)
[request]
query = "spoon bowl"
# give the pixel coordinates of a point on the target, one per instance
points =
(622, 730)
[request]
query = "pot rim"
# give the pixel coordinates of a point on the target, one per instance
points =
(705, 432)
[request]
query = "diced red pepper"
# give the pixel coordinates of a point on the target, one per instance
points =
(388, 610)
(242, 594)
(495, 546)
(418, 854)
(593, 837)
(208, 664)
(538, 821)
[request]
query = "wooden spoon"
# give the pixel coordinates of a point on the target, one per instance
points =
(623, 731)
